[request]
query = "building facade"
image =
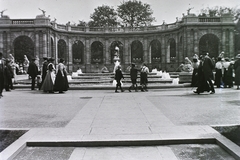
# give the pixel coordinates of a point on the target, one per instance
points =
(163, 46)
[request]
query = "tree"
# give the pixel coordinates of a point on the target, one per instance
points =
(221, 10)
(135, 13)
(82, 23)
(103, 16)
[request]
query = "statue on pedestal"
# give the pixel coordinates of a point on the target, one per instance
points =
(42, 11)
(116, 59)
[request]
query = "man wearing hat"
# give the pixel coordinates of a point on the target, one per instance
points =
(33, 72)
(207, 68)
(133, 75)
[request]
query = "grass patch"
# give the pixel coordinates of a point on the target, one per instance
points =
(7, 137)
(230, 132)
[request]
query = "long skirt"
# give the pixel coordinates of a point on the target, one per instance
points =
(48, 82)
(61, 82)
(218, 78)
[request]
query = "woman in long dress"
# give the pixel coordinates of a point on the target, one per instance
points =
(48, 82)
(61, 81)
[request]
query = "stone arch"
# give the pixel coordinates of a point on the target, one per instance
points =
(171, 50)
(112, 50)
(62, 50)
(209, 43)
(78, 52)
(23, 45)
(137, 52)
(97, 52)
(155, 51)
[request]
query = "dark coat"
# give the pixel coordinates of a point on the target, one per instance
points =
(118, 75)
(33, 70)
(208, 66)
(237, 71)
(133, 73)
(44, 70)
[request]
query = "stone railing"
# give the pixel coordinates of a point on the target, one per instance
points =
(209, 19)
(22, 21)
(68, 27)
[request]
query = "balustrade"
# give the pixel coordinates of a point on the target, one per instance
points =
(209, 19)
(22, 21)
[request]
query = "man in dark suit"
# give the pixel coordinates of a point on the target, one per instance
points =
(207, 68)
(33, 72)
(2, 65)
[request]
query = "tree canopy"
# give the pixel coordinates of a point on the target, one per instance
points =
(103, 16)
(135, 13)
(130, 13)
(220, 10)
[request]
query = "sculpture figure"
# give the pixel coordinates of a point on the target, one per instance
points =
(2, 12)
(42, 11)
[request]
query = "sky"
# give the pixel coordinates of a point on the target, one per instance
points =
(74, 10)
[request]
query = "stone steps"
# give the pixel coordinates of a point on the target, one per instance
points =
(107, 79)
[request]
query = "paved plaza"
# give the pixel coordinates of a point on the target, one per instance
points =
(101, 124)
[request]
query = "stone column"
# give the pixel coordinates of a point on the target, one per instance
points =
(223, 40)
(196, 49)
(36, 43)
(145, 50)
(231, 44)
(1, 42)
(189, 41)
(107, 56)
(44, 54)
(164, 52)
(127, 51)
(88, 53)
(9, 51)
(70, 57)
(177, 48)
(56, 49)
(185, 45)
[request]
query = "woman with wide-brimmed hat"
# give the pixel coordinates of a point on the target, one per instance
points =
(48, 82)
(61, 81)
(237, 71)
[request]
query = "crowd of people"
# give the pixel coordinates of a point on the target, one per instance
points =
(227, 73)
(144, 71)
(48, 78)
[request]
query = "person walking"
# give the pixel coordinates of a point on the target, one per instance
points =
(133, 76)
(202, 84)
(228, 73)
(44, 70)
(207, 68)
(237, 71)
(33, 72)
(118, 77)
(219, 73)
(2, 64)
(8, 75)
(144, 77)
(48, 83)
(195, 65)
(61, 81)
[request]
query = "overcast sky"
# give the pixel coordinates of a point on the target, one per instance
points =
(75, 10)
